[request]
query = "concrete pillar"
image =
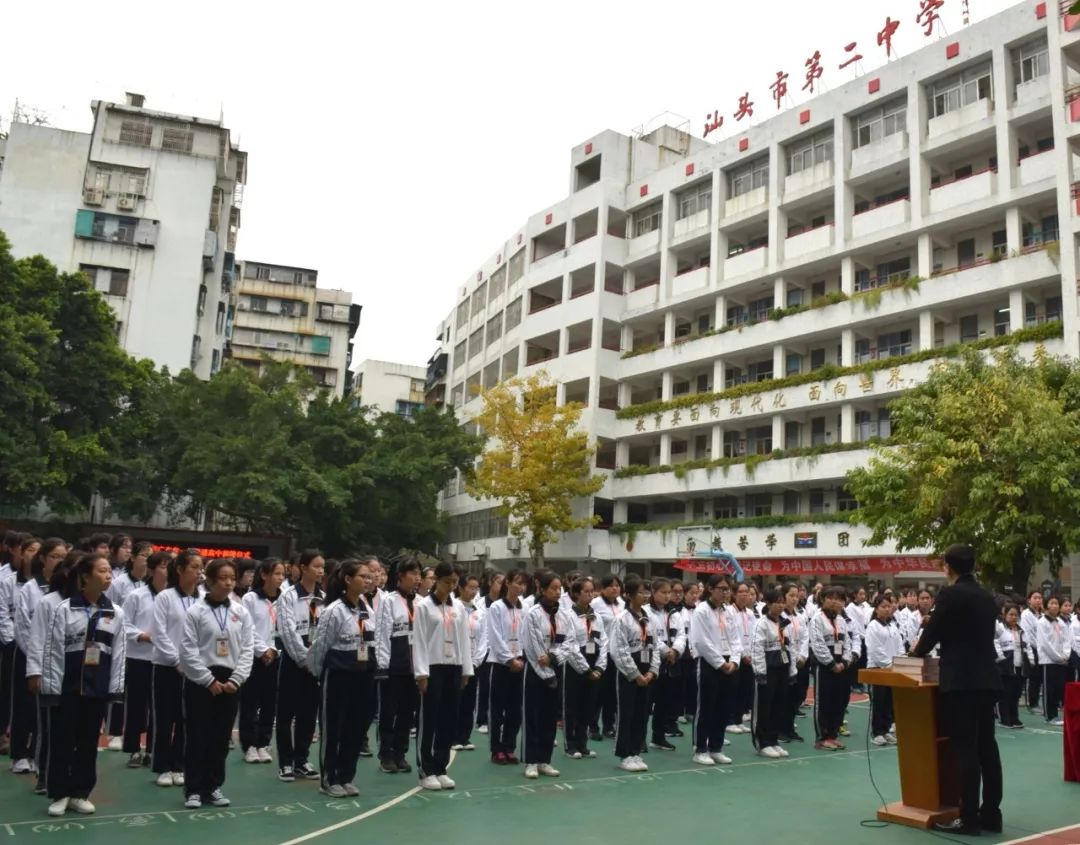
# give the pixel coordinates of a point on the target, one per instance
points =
(842, 195)
(669, 328)
(779, 293)
(1014, 229)
(665, 448)
(560, 393)
(777, 227)
(926, 256)
(847, 275)
(918, 172)
(718, 374)
(619, 516)
(847, 347)
(624, 394)
(717, 450)
(847, 423)
(715, 256)
(1016, 310)
(1007, 148)
(721, 312)
(688, 512)
(626, 341)
(622, 453)
(778, 360)
(665, 385)
(926, 330)
(778, 431)
(667, 261)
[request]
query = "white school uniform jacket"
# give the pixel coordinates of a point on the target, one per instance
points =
(770, 648)
(744, 622)
(264, 614)
(607, 613)
(670, 630)
(441, 636)
(1029, 623)
(9, 585)
(26, 602)
(829, 641)
(633, 641)
(856, 628)
(504, 632)
(1074, 627)
(298, 615)
(394, 633)
(121, 588)
(474, 620)
(74, 625)
(344, 639)
(588, 638)
(39, 630)
(547, 634)
(884, 642)
(138, 620)
(170, 609)
(1011, 644)
(798, 635)
(714, 635)
(216, 635)
(1055, 641)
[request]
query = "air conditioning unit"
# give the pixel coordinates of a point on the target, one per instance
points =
(127, 202)
(479, 550)
(451, 548)
(513, 544)
(93, 196)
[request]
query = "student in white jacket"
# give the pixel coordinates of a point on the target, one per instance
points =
(216, 650)
(671, 640)
(398, 695)
(258, 698)
(442, 665)
(770, 656)
(636, 655)
(1054, 646)
(831, 647)
(884, 642)
(714, 638)
(505, 620)
(798, 638)
(465, 596)
(582, 673)
(608, 605)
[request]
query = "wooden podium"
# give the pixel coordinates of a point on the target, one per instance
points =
(929, 789)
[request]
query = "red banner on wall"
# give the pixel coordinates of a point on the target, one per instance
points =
(817, 565)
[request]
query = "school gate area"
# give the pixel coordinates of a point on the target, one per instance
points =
(813, 796)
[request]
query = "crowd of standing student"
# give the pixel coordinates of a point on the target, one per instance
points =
(160, 655)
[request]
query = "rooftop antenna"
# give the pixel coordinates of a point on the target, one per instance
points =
(967, 12)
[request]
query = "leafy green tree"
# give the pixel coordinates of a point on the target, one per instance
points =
(990, 458)
(537, 461)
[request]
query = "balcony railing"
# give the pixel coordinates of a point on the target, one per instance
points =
(869, 430)
(882, 204)
(875, 353)
(954, 179)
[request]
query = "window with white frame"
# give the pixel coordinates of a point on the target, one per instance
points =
(960, 89)
(874, 125)
(513, 314)
(647, 219)
(749, 178)
(698, 198)
(816, 149)
(1031, 61)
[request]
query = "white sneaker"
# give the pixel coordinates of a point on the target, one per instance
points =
(588, 755)
(483, 729)
(430, 782)
(684, 720)
(703, 759)
(735, 729)
(720, 757)
(350, 790)
(746, 717)
(548, 770)
(177, 778)
(890, 738)
(642, 766)
(727, 741)
(22, 767)
(82, 805)
(1057, 723)
(879, 740)
(59, 807)
(783, 752)
(218, 799)
(251, 755)
(333, 790)
(264, 755)
(769, 751)
(116, 743)
(532, 771)
(164, 779)
(574, 755)
(193, 802)
(468, 746)
(627, 764)
(446, 783)
(457, 746)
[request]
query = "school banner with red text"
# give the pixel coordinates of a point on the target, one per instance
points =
(817, 565)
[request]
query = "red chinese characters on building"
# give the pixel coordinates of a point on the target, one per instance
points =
(746, 107)
(817, 566)
(850, 48)
(813, 71)
(884, 38)
(928, 15)
(712, 122)
(779, 88)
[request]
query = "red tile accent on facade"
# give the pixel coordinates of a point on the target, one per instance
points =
(644, 191)
(1074, 111)
(952, 50)
(1040, 11)
(744, 144)
(547, 218)
(804, 116)
(690, 169)
(588, 148)
(873, 86)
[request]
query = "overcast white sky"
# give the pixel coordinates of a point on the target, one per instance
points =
(394, 146)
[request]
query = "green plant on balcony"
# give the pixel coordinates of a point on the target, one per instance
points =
(630, 530)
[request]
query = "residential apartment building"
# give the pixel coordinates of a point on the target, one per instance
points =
(390, 387)
(833, 255)
(280, 312)
(435, 378)
(148, 205)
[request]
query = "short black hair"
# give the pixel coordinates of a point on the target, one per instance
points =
(961, 558)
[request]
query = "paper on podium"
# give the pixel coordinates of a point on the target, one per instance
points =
(925, 670)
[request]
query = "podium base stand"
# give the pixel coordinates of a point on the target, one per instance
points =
(900, 813)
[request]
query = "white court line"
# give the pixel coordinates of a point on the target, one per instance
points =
(1042, 834)
(367, 814)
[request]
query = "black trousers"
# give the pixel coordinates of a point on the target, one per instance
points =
(467, 710)
(541, 717)
(438, 719)
(633, 710)
(258, 705)
(580, 694)
(968, 718)
(398, 698)
(483, 693)
(744, 695)
(74, 724)
(1033, 673)
(663, 695)
(1009, 702)
(7, 656)
(1055, 676)
(688, 704)
(341, 723)
(41, 740)
(768, 705)
(208, 723)
(831, 693)
(605, 712)
(881, 710)
(23, 711)
(715, 697)
(114, 718)
(167, 702)
(794, 696)
(138, 679)
(297, 711)
(504, 712)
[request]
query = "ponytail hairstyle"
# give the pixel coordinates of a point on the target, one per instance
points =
(153, 562)
(633, 586)
(12, 541)
(307, 556)
(58, 581)
(544, 579)
(771, 595)
(335, 585)
(180, 563)
(400, 567)
(73, 584)
(37, 566)
(514, 575)
(262, 572)
(486, 580)
(140, 548)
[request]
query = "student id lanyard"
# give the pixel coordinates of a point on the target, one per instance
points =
(361, 646)
(92, 654)
(838, 645)
(646, 653)
(408, 612)
(272, 612)
(223, 626)
(783, 650)
(513, 640)
(590, 646)
(449, 646)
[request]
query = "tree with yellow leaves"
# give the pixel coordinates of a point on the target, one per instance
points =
(536, 461)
